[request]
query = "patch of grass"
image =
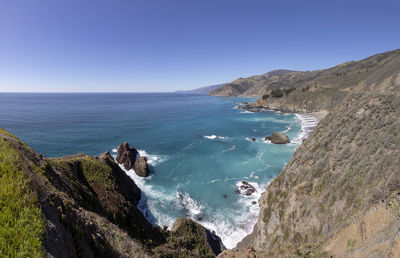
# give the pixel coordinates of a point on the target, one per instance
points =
(6, 133)
(267, 214)
(21, 223)
(96, 171)
(351, 243)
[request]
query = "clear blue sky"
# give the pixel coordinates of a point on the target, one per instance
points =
(140, 46)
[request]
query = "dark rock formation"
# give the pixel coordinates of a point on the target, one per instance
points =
(247, 189)
(278, 138)
(253, 139)
(141, 167)
(126, 156)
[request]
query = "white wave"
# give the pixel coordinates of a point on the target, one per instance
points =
(114, 150)
(235, 178)
(242, 221)
(308, 124)
(152, 160)
(288, 128)
(230, 149)
(212, 137)
(158, 195)
(246, 112)
(187, 147)
(213, 181)
(267, 141)
(188, 203)
(249, 139)
(252, 175)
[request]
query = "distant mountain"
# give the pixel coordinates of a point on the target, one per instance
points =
(205, 89)
(252, 86)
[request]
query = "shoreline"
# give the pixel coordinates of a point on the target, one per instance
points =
(309, 121)
(319, 115)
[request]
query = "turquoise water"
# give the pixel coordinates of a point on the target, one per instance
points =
(199, 148)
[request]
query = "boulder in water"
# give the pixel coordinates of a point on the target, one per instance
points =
(247, 189)
(141, 167)
(126, 156)
(278, 138)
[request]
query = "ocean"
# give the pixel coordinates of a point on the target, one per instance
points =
(199, 147)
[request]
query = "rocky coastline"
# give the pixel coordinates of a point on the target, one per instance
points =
(87, 207)
(343, 180)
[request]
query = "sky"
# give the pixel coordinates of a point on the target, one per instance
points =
(167, 45)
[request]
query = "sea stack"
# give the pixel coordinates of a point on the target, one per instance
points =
(141, 167)
(128, 157)
(278, 138)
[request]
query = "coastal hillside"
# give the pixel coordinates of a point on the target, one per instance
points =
(250, 87)
(339, 196)
(202, 90)
(82, 206)
(317, 90)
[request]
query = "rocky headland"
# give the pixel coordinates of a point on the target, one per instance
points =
(84, 206)
(339, 196)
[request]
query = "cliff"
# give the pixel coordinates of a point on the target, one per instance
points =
(317, 90)
(82, 206)
(339, 196)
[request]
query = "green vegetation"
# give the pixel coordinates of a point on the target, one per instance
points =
(277, 93)
(21, 223)
(187, 239)
(288, 91)
(351, 243)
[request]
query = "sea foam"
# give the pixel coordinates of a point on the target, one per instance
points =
(308, 124)
(213, 137)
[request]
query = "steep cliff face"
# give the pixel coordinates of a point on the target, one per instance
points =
(339, 196)
(80, 206)
(343, 178)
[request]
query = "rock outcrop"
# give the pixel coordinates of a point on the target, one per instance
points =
(141, 167)
(278, 138)
(126, 156)
(129, 158)
(246, 189)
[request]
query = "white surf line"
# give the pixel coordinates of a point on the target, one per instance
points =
(308, 124)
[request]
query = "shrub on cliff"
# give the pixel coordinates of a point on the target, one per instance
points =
(278, 93)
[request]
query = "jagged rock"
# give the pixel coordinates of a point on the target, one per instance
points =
(126, 156)
(253, 139)
(278, 138)
(105, 155)
(247, 189)
(141, 167)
